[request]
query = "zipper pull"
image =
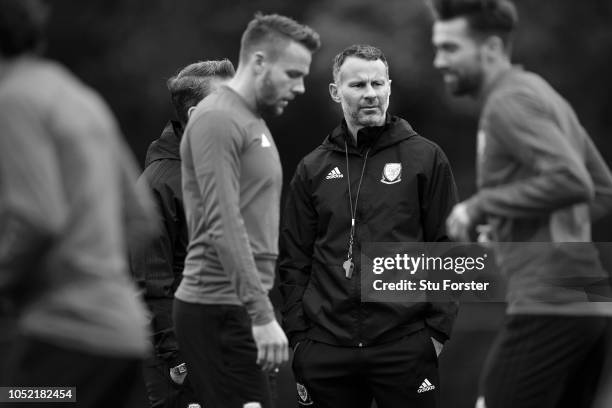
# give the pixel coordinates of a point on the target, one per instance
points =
(348, 268)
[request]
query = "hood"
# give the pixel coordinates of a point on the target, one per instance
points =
(393, 131)
(167, 146)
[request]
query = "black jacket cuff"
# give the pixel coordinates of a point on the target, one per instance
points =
(438, 335)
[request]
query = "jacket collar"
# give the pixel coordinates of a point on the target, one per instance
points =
(167, 146)
(394, 130)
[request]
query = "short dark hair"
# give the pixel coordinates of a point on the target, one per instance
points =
(192, 84)
(484, 17)
(274, 27)
(363, 51)
(22, 26)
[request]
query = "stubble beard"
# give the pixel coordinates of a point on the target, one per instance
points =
(268, 98)
(467, 84)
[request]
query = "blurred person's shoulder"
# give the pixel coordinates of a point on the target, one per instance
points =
(520, 87)
(36, 79)
(29, 82)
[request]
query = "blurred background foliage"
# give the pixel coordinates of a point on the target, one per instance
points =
(127, 49)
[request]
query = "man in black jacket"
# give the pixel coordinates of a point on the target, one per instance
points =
(374, 179)
(158, 267)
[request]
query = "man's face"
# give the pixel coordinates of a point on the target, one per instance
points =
(458, 57)
(283, 78)
(362, 87)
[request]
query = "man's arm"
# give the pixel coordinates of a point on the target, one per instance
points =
(138, 207)
(216, 146)
(440, 195)
(602, 180)
(559, 178)
(296, 250)
(33, 209)
(152, 264)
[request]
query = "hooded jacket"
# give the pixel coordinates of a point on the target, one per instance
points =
(158, 267)
(319, 302)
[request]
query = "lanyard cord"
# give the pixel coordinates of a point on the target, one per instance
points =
(353, 210)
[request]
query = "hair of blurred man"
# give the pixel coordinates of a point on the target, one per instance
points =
(271, 31)
(22, 27)
(363, 51)
(196, 81)
(485, 18)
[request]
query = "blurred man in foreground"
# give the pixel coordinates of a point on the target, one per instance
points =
(68, 207)
(541, 182)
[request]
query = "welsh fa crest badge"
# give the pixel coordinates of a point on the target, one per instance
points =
(392, 173)
(303, 396)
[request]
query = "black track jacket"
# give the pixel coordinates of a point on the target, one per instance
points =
(319, 302)
(158, 267)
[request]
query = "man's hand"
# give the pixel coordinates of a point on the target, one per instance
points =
(459, 223)
(272, 345)
(178, 373)
(438, 346)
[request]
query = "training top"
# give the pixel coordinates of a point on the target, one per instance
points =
(232, 180)
(68, 205)
(541, 182)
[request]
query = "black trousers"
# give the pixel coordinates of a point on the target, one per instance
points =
(161, 390)
(100, 381)
(398, 374)
(545, 362)
(218, 346)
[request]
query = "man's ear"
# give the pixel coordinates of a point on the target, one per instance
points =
(258, 62)
(190, 111)
(333, 92)
(493, 47)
